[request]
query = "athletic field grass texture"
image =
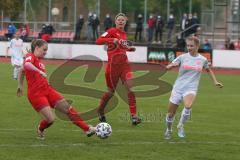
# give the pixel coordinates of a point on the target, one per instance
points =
(212, 133)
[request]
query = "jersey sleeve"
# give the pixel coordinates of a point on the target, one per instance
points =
(29, 58)
(106, 37)
(178, 60)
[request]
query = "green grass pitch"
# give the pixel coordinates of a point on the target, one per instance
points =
(211, 134)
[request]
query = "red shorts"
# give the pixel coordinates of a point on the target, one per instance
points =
(114, 72)
(44, 98)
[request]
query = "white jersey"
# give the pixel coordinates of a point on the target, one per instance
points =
(189, 72)
(15, 46)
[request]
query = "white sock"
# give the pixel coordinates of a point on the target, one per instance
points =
(169, 122)
(185, 115)
(15, 72)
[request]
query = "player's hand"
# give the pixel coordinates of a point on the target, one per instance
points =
(43, 74)
(218, 84)
(19, 92)
(169, 66)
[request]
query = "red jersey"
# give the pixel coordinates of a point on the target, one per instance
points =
(116, 53)
(35, 81)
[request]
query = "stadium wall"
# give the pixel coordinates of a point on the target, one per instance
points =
(81, 51)
(226, 58)
(220, 58)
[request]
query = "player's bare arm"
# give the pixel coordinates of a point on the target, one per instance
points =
(213, 77)
(30, 66)
(172, 65)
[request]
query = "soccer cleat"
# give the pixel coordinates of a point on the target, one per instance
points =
(40, 134)
(91, 131)
(102, 119)
(181, 132)
(168, 134)
(136, 120)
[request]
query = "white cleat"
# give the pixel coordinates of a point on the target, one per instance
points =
(40, 134)
(168, 134)
(181, 132)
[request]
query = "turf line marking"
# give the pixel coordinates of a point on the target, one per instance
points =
(104, 143)
(3, 130)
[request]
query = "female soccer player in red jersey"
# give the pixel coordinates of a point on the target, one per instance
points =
(41, 95)
(118, 66)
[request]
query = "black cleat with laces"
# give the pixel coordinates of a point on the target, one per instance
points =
(102, 119)
(136, 120)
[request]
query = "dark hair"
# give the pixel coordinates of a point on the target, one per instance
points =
(36, 42)
(120, 14)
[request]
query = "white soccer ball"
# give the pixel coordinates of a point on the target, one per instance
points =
(103, 130)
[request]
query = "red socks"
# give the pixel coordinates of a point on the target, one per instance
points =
(44, 124)
(132, 103)
(75, 118)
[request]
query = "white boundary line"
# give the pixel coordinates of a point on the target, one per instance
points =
(3, 130)
(118, 144)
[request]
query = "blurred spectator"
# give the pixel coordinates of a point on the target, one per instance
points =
(159, 29)
(181, 44)
(89, 27)
(170, 27)
(183, 24)
(229, 44)
(46, 37)
(139, 28)
(43, 30)
(126, 25)
(95, 24)
(190, 29)
(11, 31)
(108, 23)
(79, 26)
(237, 44)
(46, 32)
(49, 29)
(207, 45)
(24, 32)
(198, 33)
(195, 22)
(151, 24)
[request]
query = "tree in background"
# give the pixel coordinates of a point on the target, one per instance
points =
(11, 8)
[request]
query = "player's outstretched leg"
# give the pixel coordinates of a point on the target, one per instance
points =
(74, 116)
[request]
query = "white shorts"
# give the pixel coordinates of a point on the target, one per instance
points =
(177, 96)
(17, 61)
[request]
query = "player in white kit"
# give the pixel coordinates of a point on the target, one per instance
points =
(186, 86)
(15, 47)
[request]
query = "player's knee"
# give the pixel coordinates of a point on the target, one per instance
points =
(50, 120)
(63, 106)
(188, 105)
